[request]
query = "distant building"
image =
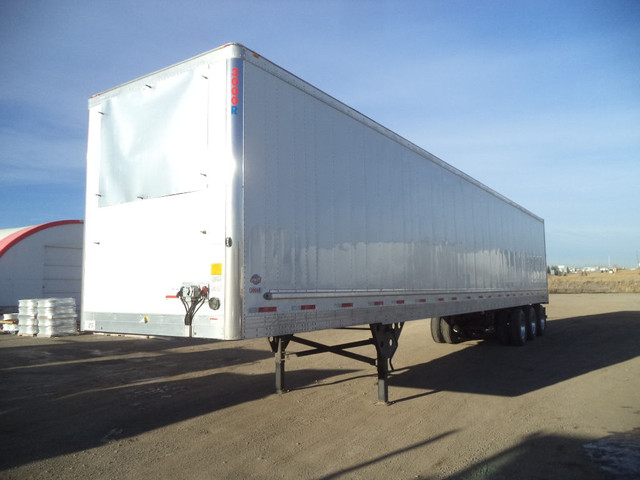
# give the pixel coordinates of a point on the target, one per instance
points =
(557, 270)
(40, 261)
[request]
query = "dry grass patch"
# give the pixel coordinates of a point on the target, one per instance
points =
(623, 281)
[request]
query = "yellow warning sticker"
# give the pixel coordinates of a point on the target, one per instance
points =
(216, 269)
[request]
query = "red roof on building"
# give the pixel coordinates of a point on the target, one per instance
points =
(10, 240)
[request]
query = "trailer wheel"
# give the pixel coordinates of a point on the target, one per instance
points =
(517, 328)
(530, 322)
(502, 326)
(541, 319)
(447, 328)
(436, 331)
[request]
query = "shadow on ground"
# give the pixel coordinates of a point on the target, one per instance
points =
(570, 347)
(80, 393)
(75, 394)
(572, 459)
(537, 457)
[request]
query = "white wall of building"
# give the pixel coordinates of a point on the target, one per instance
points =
(42, 261)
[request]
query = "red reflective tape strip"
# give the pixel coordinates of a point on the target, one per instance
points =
(454, 298)
(468, 297)
(378, 303)
(480, 296)
(441, 299)
(308, 307)
(399, 302)
(422, 300)
(171, 296)
(267, 309)
(347, 305)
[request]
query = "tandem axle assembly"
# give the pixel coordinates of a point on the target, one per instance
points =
(383, 336)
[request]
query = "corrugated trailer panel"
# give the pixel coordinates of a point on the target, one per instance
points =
(346, 223)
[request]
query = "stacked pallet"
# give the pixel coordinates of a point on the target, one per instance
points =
(10, 323)
(28, 316)
(56, 317)
(47, 317)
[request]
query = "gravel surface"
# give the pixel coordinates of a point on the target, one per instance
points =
(566, 405)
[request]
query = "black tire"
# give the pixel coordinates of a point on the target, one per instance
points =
(517, 328)
(541, 319)
(502, 326)
(448, 331)
(530, 322)
(436, 331)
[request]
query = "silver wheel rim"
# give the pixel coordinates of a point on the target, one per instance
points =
(534, 327)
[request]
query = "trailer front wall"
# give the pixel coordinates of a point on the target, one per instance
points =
(337, 208)
(155, 205)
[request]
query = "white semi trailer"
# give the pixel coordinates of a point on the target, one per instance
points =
(229, 199)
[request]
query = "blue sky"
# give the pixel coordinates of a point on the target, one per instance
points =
(539, 100)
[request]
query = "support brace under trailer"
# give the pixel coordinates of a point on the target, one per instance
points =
(383, 336)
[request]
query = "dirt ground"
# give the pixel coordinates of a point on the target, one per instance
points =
(566, 405)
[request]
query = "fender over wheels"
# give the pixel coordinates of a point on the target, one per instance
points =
(436, 331)
(447, 327)
(517, 327)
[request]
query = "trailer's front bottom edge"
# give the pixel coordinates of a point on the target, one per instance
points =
(167, 325)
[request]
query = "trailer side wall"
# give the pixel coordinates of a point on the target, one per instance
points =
(337, 213)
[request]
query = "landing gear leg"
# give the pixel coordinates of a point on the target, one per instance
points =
(278, 347)
(385, 338)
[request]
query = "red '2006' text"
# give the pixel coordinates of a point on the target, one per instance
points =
(235, 90)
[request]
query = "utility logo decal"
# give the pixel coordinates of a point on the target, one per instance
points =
(255, 280)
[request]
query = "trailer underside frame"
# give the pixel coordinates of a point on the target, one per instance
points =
(384, 337)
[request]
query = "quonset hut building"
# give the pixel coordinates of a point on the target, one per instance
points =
(40, 261)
